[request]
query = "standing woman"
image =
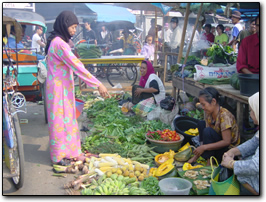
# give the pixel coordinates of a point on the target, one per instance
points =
(247, 169)
(222, 37)
(219, 132)
(150, 85)
(64, 138)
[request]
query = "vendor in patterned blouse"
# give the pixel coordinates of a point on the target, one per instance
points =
(64, 137)
(219, 132)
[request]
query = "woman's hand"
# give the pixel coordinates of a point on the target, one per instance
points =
(199, 150)
(227, 161)
(103, 91)
(138, 91)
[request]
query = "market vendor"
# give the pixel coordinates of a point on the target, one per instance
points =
(64, 137)
(222, 37)
(150, 85)
(247, 169)
(248, 59)
(219, 132)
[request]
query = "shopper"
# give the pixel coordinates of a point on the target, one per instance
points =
(89, 34)
(248, 167)
(128, 43)
(37, 41)
(64, 137)
(247, 32)
(150, 85)
(208, 35)
(236, 17)
(219, 132)
(148, 49)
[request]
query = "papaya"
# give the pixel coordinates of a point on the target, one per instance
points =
(193, 131)
(184, 155)
(188, 166)
(165, 168)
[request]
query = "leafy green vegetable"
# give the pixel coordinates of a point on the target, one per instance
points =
(220, 54)
(151, 185)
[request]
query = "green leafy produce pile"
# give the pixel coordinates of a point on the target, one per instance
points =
(113, 132)
(151, 185)
(86, 51)
(219, 54)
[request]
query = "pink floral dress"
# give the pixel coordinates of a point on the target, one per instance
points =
(64, 137)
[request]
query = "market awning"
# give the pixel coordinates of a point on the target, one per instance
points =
(109, 13)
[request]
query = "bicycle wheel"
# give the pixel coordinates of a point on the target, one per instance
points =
(17, 153)
(125, 75)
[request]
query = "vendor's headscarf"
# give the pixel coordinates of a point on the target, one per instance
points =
(150, 70)
(64, 20)
(254, 104)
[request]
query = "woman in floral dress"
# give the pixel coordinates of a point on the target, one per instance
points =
(61, 63)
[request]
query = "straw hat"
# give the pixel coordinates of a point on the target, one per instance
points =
(236, 14)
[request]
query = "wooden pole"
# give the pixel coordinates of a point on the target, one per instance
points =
(193, 33)
(156, 39)
(183, 34)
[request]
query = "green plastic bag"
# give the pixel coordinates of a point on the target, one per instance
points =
(230, 186)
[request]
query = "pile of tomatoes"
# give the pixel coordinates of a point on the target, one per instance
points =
(165, 135)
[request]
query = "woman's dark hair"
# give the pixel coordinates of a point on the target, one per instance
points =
(221, 27)
(209, 93)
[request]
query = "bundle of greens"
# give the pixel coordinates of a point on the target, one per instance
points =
(220, 54)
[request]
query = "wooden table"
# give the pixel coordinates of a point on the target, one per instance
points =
(193, 88)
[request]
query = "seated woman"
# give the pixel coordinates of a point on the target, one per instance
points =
(150, 85)
(222, 37)
(148, 49)
(219, 132)
(247, 169)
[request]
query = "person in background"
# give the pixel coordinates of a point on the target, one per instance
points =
(167, 33)
(247, 169)
(247, 32)
(105, 36)
(12, 38)
(248, 59)
(236, 17)
(89, 34)
(64, 137)
(222, 37)
(37, 41)
(175, 39)
(150, 85)
(152, 30)
(128, 43)
(148, 49)
(208, 35)
(219, 132)
(213, 30)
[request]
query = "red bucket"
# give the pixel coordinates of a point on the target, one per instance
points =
(79, 107)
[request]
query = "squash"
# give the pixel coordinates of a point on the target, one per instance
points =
(184, 155)
(165, 168)
(184, 147)
(188, 166)
(161, 158)
(171, 153)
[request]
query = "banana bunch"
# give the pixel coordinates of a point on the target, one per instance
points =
(112, 187)
(137, 191)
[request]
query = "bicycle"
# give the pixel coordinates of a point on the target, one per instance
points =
(12, 139)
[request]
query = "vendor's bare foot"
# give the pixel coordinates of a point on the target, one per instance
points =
(193, 159)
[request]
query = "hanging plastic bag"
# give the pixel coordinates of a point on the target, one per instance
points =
(224, 174)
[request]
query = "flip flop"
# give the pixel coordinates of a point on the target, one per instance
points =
(64, 162)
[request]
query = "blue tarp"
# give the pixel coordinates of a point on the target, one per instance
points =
(165, 9)
(109, 13)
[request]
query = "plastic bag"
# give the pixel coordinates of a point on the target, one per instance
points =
(224, 174)
(168, 103)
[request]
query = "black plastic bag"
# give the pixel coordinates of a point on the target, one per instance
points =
(224, 174)
(168, 103)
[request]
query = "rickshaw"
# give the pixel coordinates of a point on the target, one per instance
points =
(13, 102)
(27, 61)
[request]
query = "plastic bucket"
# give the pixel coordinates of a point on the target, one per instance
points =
(249, 84)
(175, 186)
(79, 107)
(184, 123)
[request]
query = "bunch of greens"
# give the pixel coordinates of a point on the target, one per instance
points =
(151, 185)
(196, 114)
(220, 54)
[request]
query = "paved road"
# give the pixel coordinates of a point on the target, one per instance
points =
(38, 170)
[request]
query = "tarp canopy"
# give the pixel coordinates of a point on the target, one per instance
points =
(109, 13)
(26, 17)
